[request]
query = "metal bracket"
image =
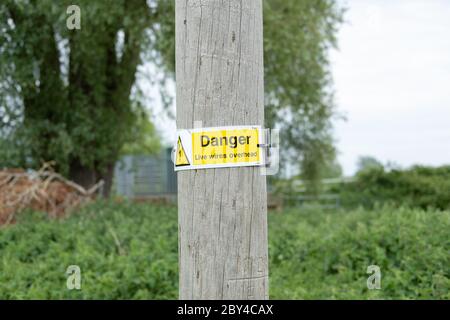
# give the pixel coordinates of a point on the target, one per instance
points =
(271, 142)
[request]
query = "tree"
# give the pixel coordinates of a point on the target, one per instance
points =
(65, 94)
(298, 86)
(368, 163)
(299, 99)
(332, 170)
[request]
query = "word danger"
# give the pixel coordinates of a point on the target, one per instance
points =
(225, 147)
(232, 141)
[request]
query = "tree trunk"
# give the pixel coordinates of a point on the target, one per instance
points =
(87, 177)
(82, 175)
(222, 212)
(108, 179)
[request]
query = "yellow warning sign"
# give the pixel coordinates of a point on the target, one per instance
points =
(225, 146)
(181, 158)
(219, 147)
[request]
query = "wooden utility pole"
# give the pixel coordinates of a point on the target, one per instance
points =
(222, 212)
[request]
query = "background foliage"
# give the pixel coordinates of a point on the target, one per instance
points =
(298, 84)
(298, 88)
(129, 251)
(67, 95)
(419, 186)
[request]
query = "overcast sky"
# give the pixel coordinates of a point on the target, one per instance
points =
(392, 81)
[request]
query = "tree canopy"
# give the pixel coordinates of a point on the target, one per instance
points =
(70, 95)
(298, 85)
(65, 94)
(299, 96)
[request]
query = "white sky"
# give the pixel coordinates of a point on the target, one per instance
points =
(392, 81)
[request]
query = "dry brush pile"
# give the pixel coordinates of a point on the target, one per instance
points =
(43, 190)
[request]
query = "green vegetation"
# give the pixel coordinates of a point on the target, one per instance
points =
(74, 96)
(318, 255)
(124, 252)
(421, 187)
(298, 35)
(129, 251)
(67, 95)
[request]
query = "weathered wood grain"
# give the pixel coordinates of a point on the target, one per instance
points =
(222, 212)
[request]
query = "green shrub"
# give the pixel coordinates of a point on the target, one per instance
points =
(422, 187)
(316, 255)
(129, 251)
(124, 251)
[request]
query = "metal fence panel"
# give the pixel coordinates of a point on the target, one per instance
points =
(142, 175)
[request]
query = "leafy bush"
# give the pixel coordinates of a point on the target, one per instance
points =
(422, 187)
(129, 251)
(124, 251)
(316, 255)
